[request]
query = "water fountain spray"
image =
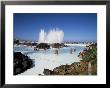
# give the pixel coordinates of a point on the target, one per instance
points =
(53, 36)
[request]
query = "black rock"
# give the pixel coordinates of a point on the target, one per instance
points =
(48, 72)
(21, 63)
(43, 46)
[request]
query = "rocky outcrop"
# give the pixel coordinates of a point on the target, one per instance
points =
(42, 46)
(89, 51)
(87, 65)
(73, 69)
(16, 41)
(21, 63)
(47, 46)
(58, 45)
(48, 72)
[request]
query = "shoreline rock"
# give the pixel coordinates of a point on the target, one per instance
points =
(21, 63)
(78, 68)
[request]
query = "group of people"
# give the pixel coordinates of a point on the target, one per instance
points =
(72, 50)
(56, 51)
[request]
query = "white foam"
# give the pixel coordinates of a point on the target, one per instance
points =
(50, 61)
(76, 44)
(47, 59)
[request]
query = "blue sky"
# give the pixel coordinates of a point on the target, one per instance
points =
(76, 26)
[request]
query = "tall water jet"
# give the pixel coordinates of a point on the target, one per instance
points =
(55, 36)
(42, 36)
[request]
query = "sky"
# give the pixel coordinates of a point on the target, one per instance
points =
(76, 26)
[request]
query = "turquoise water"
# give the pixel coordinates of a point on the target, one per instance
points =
(22, 48)
(28, 50)
(47, 59)
(63, 50)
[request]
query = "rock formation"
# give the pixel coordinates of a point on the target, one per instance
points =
(21, 63)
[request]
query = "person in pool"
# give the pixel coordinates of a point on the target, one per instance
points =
(56, 52)
(71, 50)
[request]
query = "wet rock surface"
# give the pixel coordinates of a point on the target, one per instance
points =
(21, 63)
(43, 46)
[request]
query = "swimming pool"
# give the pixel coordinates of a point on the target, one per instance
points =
(47, 59)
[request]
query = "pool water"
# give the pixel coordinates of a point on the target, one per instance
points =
(27, 50)
(47, 59)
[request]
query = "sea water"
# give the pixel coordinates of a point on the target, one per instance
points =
(46, 59)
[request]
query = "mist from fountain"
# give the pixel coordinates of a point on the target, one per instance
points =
(53, 36)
